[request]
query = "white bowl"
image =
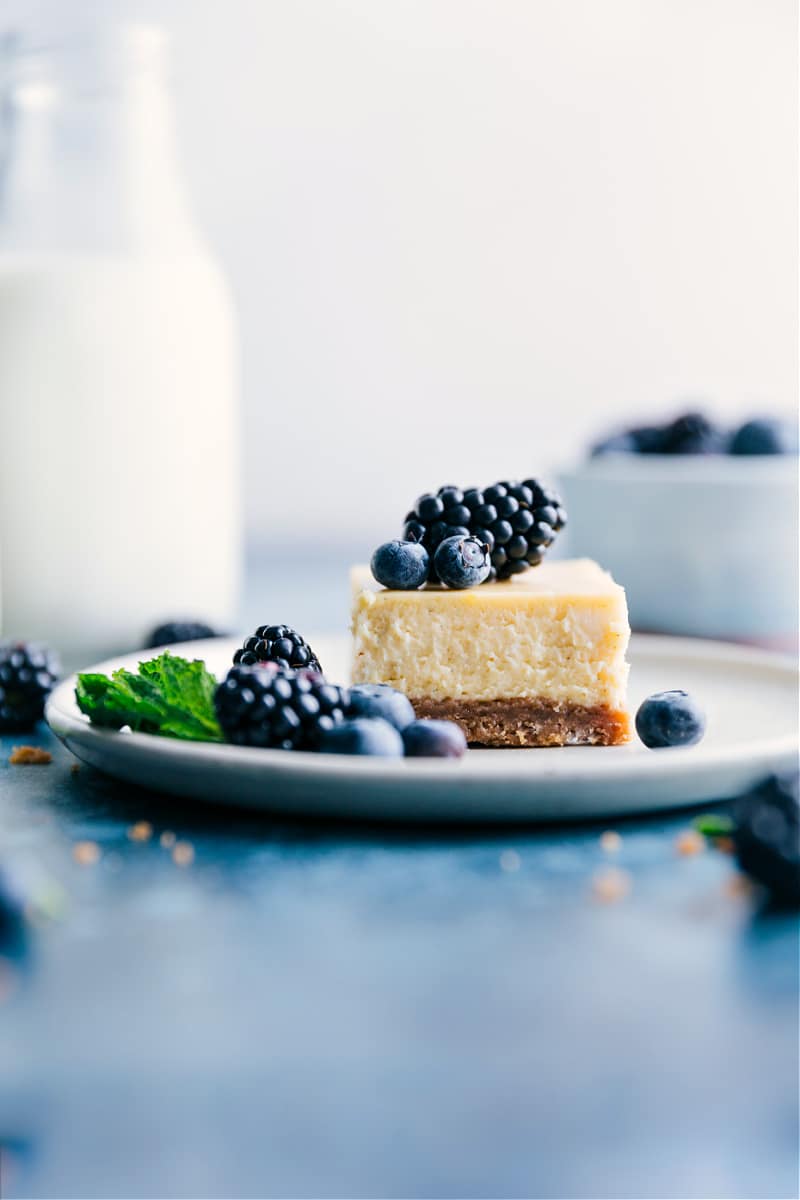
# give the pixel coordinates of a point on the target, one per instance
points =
(706, 546)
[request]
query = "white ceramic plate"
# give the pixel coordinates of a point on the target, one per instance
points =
(750, 698)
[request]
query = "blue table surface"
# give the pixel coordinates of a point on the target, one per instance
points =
(347, 1011)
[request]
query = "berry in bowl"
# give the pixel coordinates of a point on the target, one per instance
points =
(698, 523)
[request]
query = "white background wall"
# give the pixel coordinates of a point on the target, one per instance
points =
(465, 235)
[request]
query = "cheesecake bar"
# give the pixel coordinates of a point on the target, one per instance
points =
(535, 660)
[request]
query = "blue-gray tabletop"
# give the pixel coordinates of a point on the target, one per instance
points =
(351, 1011)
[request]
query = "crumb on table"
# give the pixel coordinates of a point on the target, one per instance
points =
(167, 839)
(689, 843)
(610, 841)
(183, 854)
(75, 768)
(141, 831)
(737, 886)
(29, 756)
(611, 884)
(86, 854)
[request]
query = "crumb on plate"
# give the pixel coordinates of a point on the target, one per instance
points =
(29, 756)
(167, 839)
(75, 768)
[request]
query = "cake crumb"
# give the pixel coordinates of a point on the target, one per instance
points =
(183, 854)
(610, 842)
(75, 768)
(510, 861)
(86, 854)
(142, 831)
(29, 756)
(737, 886)
(611, 884)
(167, 839)
(724, 844)
(689, 843)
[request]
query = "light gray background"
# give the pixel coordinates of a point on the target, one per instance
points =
(465, 236)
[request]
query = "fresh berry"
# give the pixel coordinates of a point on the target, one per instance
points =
(434, 739)
(401, 565)
(767, 836)
(363, 735)
(517, 521)
(179, 631)
(27, 895)
(267, 705)
(617, 443)
(462, 562)
(692, 433)
(380, 700)
(280, 645)
(670, 719)
(765, 436)
(649, 439)
(28, 673)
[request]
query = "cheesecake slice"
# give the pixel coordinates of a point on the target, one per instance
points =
(536, 660)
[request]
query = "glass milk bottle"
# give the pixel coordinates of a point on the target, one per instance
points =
(119, 469)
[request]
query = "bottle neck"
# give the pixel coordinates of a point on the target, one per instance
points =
(90, 158)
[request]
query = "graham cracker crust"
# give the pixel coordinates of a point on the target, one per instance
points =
(516, 722)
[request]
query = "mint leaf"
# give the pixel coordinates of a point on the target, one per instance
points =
(169, 696)
(714, 825)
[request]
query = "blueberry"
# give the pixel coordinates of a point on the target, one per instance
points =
(401, 565)
(380, 700)
(363, 735)
(434, 739)
(462, 562)
(618, 443)
(179, 631)
(670, 719)
(765, 436)
(693, 433)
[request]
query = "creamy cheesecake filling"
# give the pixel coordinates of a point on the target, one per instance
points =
(559, 636)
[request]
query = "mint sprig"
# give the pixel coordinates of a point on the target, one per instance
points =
(714, 825)
(168, 696)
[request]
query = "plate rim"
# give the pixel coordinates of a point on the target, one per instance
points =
(616, 765)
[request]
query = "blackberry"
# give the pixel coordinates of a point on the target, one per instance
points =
(267, 705)
(28, 673)
(518, 521)
(277, 644)
(692, 433)
(178, 631)
(767, 836)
